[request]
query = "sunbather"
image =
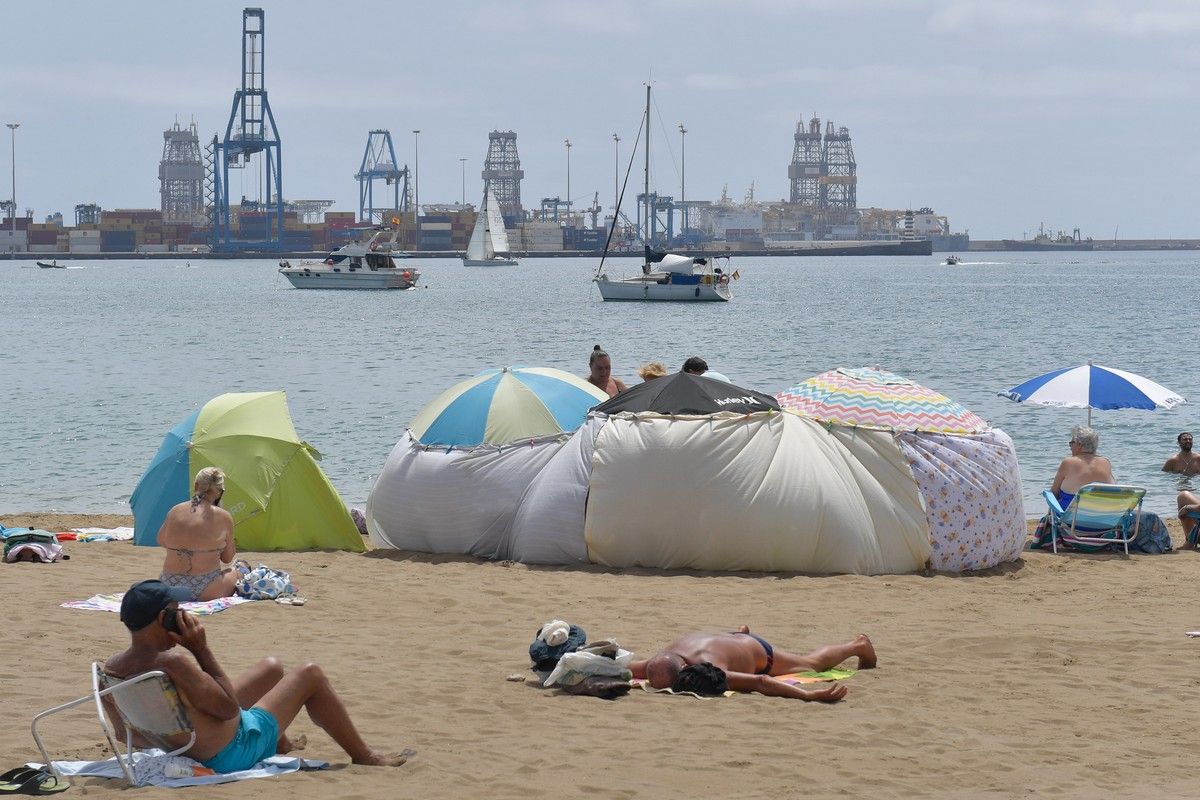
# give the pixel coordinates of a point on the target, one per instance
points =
(1082, 467)
(750, 664)
(198, 537)
(238, 723)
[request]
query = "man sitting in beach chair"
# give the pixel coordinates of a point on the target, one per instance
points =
(237, 723)
(748, 663)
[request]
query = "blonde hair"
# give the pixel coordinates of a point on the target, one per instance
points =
(654, 369)
(207, 479)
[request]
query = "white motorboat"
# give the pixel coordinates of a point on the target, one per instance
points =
(52, 264)
(356, 265)
(666, 277)
(952, 260)
(489, 240)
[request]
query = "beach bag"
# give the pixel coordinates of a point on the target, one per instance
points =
(264, 583)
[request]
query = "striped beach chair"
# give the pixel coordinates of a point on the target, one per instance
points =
(1193, 534)
(1101, 514)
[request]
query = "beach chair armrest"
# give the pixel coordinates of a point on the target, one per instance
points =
(1052, 501)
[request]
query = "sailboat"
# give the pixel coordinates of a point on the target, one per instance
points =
(665, 276)
(489, 241)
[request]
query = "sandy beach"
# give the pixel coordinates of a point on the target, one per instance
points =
(1057, 675)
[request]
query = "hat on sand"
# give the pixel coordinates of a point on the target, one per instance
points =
(143, 601)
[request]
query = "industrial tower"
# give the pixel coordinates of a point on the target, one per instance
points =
(379, 163)
(251, 130)
(806, 168)
(839, 183)
(87, 214)
(502, 173)
(181, 176)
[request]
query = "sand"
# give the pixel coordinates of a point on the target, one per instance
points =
(1066, 676)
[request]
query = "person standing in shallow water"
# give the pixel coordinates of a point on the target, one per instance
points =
(600, 376)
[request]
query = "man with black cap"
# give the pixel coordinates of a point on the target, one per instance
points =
(240, 722)
(695, 365)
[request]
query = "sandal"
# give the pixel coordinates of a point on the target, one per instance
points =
(12, 780)
(38, 781)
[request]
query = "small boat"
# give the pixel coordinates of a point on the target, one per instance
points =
(666, 277)
(952, 260)
(53, 264)
(489, 240)
(369, 264)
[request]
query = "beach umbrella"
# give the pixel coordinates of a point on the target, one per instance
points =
(499, 406)
(874, 398)
(1093, 386)
(278, 496)
(685, 393)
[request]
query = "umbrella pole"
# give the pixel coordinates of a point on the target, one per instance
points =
(1089, 416)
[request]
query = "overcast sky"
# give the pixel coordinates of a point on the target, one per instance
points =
(1000, 114)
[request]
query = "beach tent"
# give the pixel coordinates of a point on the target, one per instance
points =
(761, 491)
(278, 496)
(454, 480)
(965, 471)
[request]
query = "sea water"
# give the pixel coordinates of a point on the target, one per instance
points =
(98, 362)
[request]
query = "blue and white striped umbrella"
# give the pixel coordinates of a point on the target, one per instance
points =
(499, 406)
(1093, 386)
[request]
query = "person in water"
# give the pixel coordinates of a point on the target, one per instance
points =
(1185, 462)
(1082, 467)
(198, 537)
(237, 722)
(600, 376)
(695, 366)
(652, 370)
(748, 663)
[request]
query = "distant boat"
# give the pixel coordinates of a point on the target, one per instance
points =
(1044, 242)
(489, 240)
(53, 264)
(952, 260)
(355, 265)
(665, 277)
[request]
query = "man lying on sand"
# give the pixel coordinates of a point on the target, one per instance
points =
(749, 663)
(238, 723)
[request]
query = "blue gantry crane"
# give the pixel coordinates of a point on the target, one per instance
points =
(251, 131)
(379, 163)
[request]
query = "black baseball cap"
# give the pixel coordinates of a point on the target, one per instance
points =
(143, 601)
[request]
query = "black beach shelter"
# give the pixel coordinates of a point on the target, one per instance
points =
(684, 393)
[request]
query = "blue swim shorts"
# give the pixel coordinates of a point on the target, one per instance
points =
(257, 734)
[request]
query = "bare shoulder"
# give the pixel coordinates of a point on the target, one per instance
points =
(223, 515)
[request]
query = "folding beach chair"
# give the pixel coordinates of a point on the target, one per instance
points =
(1100, 515)
(148, 704)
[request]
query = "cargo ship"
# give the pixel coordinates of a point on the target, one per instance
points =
(1045, 242)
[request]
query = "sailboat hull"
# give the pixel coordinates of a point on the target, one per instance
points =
(636, 289)
(489, 262)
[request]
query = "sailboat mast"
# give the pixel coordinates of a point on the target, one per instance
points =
(646, 195)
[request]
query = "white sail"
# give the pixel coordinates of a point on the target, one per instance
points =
(497, 235)
(475, 247)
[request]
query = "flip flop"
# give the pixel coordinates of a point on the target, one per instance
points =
(13, 779)
(39, 782)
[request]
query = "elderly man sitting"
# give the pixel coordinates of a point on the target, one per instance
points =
(1082, 467)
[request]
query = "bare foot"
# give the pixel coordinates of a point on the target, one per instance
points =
(289, 744)
(378, 759)
(865, 651)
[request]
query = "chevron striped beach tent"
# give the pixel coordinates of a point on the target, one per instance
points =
(877, 399)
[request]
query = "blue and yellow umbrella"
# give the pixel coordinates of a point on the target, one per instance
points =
(499, 406)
